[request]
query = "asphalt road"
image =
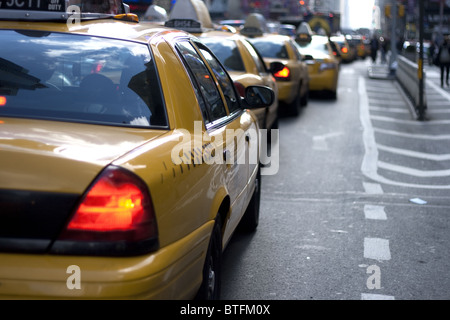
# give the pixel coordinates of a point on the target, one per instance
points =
(360, 205)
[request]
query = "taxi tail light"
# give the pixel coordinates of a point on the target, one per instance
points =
(240, 88)
(283, 74)
(117, 207)
(344, 50)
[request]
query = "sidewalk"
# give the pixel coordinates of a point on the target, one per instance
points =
(380, 71)
(437, 97)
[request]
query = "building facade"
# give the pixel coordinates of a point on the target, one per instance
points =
(436, 18)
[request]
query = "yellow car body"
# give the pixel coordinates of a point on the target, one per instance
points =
(293, 80)
(323, 68)
(358, 43)
(246, 68)
(56, 164)
(347, 52)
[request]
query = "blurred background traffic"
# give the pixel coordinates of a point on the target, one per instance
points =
(359, 21)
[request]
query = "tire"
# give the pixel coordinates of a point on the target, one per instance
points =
(250, 220)
(333, 95)
(212, 269)
(275, 124)
(294, 107)
(304, 100)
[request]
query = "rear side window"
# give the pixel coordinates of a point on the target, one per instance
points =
(259, 62)
(225, 82)
(269, 49)
(213, 103)
(294, 49)
(79, 78)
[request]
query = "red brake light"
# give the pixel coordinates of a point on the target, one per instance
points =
(2, 101)
(344, 50)
(117, 207)
(285, 74)
(240, 88)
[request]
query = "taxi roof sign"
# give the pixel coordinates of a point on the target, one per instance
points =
(190, 15)
(304, 28)
(255, 25)
(60, 9)
(304, 32)
(155, 13)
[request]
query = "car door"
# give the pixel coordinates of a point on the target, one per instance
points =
(268, 81)
(228, 129)
(302, 69)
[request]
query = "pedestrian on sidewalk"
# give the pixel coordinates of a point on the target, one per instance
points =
(443, 58)
(374, 45)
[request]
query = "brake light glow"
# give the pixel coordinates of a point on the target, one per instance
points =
(285, 73)
(117, 207)
(2, 101)
(344, 50)
(240, 88)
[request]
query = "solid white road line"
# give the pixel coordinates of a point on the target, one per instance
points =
(414, 172)
(410, 122)
(414, 136)
(373, 188)
(369, 166)
(443, 93)
(415, 154)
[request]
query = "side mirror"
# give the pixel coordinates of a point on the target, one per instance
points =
(258, 97)
(276, 67)
(307, 57)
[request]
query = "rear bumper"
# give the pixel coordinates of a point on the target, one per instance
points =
(325, 80)
(173, 272)
(287, 91)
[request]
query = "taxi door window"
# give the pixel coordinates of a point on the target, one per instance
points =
(213, 101)
(259, 62)
(225, 82)
(294, 49)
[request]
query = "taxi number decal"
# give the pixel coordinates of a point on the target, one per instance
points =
(41, 5)
(182, 23)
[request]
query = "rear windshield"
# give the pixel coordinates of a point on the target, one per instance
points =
(318, 47)
(78, 78)
(227, 52)
(270, 48)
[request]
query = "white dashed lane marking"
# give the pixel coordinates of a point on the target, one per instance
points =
(371, 296)
(373, 188)
(377, 249)
(374, 212)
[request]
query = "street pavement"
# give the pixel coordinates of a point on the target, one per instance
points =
(359, 207)
(437, 97)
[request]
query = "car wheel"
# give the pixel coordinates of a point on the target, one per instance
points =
(275, 123)
(250, 220)
(294, 107)
(305, 98)
(210, 287)
(333, 95)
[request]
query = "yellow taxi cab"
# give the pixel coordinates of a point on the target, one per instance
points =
(347, 52)
(357, 42)
(293, 78)
(127, 157)
(241, 60)
(323, 67)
